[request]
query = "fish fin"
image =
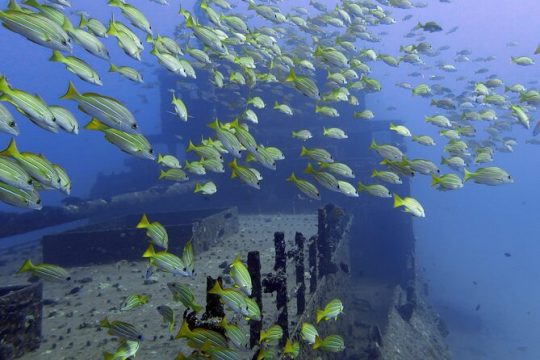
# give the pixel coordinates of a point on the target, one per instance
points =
(70, 93)
(292, 177)
(190, 146)
(319, 316)
(317, 343)
(83, 22)
(115, 3)
(214, 124)
(467, 175)
(397, 201)
(197, 308)
(4, 86)
(149, 252)
(291, 76)
(143, 223)
(95, 124)
(26, 266)
(56, 56)
(104, 323)
(11, 150)
(216, 289)
(236, 260)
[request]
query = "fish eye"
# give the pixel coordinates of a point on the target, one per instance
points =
(151, 151)
(140, 337)
(134, 126)
(12, 124)
(68, 278)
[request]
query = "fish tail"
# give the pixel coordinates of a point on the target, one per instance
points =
(320, 315)
(159, 158)
(184, 331)
(162, 174)
(83, 22)
(361, 187)
(4, 86)
(196, 307)
(435, 180)
(373, 145)
(303, 151)
(467, 175)
(214, 124)
(108, 356)
(26, 266)
(67, 25)
(149, 252)
(216, 289)
(70, 93)
(104, 323)
(11, 149)
(56, 56)
(115, 3)
(317, 343)
(291, 76)
(198, 188)
(190, 147)
(374, 173)
(113, 68)
(143, 223)
(251, 5)
(397, 201)
(189, 22)
(309, 169)
(237, 260)
(292, 177)
(111, 30)
(443, 160)
(95, 124)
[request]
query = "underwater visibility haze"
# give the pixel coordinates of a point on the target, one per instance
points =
(146, 146)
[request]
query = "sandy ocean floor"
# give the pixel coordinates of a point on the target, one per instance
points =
(73, 310)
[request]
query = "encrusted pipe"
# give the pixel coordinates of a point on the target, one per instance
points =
(214, 307)
(299, 241)
(312, 260)
(254, 268)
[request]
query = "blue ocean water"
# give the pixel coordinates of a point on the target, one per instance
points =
(476, 247)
